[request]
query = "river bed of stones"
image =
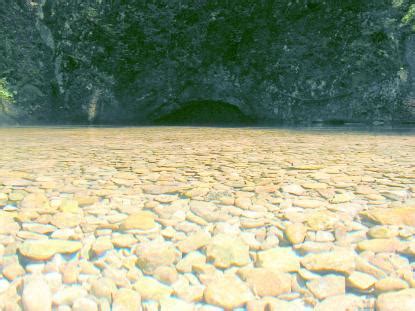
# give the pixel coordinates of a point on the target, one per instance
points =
(206, 219)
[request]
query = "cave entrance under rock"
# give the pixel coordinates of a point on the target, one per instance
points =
(206, 112)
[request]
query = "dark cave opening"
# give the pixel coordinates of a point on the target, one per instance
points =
(206, 112)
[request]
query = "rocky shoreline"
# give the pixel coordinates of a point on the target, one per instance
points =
(206, 219)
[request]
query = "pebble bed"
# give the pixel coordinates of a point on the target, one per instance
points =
(164, 218)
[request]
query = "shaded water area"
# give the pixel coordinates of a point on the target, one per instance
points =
(187, 218)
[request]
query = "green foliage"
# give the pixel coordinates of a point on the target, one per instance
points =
(409, 17)
(5, 93)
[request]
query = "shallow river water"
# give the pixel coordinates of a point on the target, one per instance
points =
(181, 218)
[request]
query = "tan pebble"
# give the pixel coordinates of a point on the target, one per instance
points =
(391, 216)
(141, 220)
(69, 206)
(45, 249)
(123, 240)
(322, 220)
(174, 304)
(295, 232)
(36, 295)
(165, 274)
(382, 232)
(126, 299)
(264, 282)
(293, 189)
(281, 259)
(70, 273)
(193, 258)
(35, 200)
(342, 261)
(403, 300)
(360, 280)
(101, 245)
(13, 271)
(390, 284)
(103, 288)
(227, 201)
(227, 292)
(340, 302)
(67, 295)
(243, 203)
(342, 198)
(154, 254)
(309, 203)
(151, 204)
(151, 289)
(365, 266)
(380, 245)
(84, 304)
(314, 185)
(327, 286)
(195, 219)
(194, 241)
(66, 220)
(227, 250)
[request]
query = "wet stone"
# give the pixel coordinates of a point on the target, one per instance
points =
(36, 295)
(398, 301)
(390, 284)
(227, 292)
(142, 220)
(264, 282)
(126, 299)
(281, 259)
(295, 233)
(151, 289)
(360, 280)
(151, 255)
(227, 250)
(194, 242)
(45, 249)
(326, 286)
(341, 261)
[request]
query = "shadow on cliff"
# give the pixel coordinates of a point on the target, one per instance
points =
(206, 113)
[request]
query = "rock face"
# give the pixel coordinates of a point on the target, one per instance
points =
(303, 61)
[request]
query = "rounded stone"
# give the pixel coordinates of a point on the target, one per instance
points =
(281, 259)
(403, 300)
(390, 284)
(155, 254)
(151, 289)
(227, 292)
(36, 295)
(13, 271)
(142, 220)
(295, 233)
(103, 288)
(125, 300)
(227, 250)
(84, 304)
(264, 282)
(45, 249)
